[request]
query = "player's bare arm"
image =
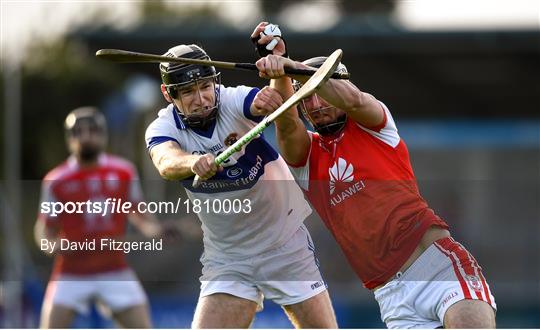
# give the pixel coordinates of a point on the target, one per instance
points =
(173, 163)
(343, 94)
(291, 133)
(292, 136)
(359, 106)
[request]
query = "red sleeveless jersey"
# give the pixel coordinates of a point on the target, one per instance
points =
(363, 187)
(68, 183)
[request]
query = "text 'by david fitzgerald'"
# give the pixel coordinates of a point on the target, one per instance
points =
(103, 244)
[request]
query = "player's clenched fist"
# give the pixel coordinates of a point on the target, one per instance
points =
(273, 66)
(205, 167)
(267, 100)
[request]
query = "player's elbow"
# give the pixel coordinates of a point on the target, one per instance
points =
(164, 166)
(170, 171)
(356, 103)
(167, 172)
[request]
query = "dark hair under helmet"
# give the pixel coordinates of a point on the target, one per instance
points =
(176, 75)
(330, 128)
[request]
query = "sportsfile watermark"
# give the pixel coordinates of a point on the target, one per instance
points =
(111, 206)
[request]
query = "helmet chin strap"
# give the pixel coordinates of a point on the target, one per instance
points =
(328, 129)
(331, 134)
(201, 122)
(331, 128)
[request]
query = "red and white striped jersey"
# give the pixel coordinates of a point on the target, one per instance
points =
(363, 187)
(112, 178)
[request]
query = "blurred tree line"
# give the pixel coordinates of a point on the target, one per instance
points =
(59, 77)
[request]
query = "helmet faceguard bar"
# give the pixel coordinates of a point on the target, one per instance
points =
(176, 77)
(311, 116)
(194, 78)
(202, 116)
(91, 116)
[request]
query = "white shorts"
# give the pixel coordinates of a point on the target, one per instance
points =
(443, 275)
(117, 290)
(286, 275)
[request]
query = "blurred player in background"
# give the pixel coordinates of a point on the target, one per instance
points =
(355, 170)
(82, 277)
(261, 250)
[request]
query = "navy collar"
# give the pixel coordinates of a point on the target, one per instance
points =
(179, 122)
(208, 132)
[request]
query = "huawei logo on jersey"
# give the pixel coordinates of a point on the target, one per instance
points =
(341, 171)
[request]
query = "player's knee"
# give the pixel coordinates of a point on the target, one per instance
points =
(133, 317)
(223, 311)
(57, 317)
(472, 314)
(316, 313)
(207, 321)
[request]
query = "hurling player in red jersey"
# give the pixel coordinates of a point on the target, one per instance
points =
(355, 170)
(90, 273)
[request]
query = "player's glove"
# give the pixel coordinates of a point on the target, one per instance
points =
(264, 50)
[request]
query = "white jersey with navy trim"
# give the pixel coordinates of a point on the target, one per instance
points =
(257, 173)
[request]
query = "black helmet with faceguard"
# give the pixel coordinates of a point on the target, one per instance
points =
(176, 76)
(88, 115)
(328, 128)
(90, 120)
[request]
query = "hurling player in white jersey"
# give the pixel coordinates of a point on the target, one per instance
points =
(260, 249)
